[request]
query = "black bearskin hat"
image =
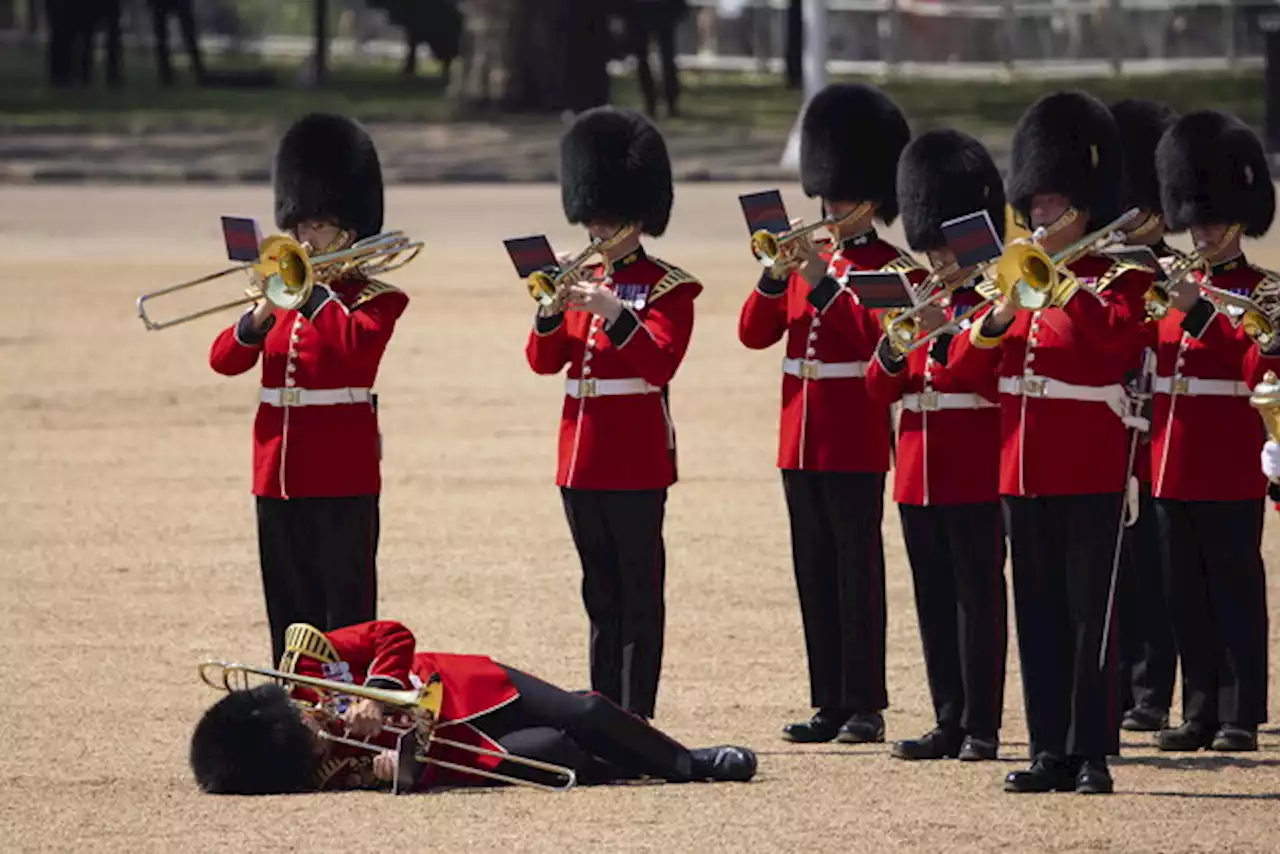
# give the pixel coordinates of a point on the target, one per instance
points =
(327, 168)
(851, 138)
(253, 743)
(1141, 125)
(614, 167)
(1068, 143)
(1213, 170)
(945, 174)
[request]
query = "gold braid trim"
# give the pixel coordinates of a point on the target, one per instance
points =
(1117, 269)
(903, 264)
(674, 278)
(375, 288)
(305, 639)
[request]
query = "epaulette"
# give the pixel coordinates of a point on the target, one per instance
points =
(373, 289)
(673, 278)
(903, 264)
(1267, 291)
(1119, 266)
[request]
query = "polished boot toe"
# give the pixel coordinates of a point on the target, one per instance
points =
(1048, 773)
(1143, 719)
(862, 729)
(1235, 738)
(1094, 778)
(940, 743)
(1191, 735)
(725, 763)
(976, 749)
(823, 726)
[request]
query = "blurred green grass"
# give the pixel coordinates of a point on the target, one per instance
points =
(376, 92)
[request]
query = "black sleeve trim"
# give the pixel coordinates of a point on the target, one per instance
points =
(383, 682)
(824, 293)
(319, 296)
(250, 336)
(940, 349)
(1197, 320)
(771, 287)
(545, 325)
(621, 330)
(889, 358)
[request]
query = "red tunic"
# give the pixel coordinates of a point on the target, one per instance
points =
(828, 422)
(616, 430)
(948, 432)
(382, 652)
(1052, 444)
(1206, 436)
(336, 341)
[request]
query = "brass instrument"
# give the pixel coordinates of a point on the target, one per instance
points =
(549, 289)
(769, 247)
(420, 706)
(1266, 399)
(286, 271)
(1160, 295)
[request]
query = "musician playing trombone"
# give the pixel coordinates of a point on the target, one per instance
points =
(317, 449)
(833, 440)
(1209, 496)
(947, 463)
(263, 740)
(622, 334)
(1066, 452)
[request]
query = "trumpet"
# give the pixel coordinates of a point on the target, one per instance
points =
(769, 247)
(901, 326)
(421, 706)
(1160, 295)
(549, 289)
(286, 271)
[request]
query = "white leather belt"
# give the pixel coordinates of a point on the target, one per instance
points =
(1036, 386)
(1195, 386)
(812, 369)
(592, 387)
(313, 396)
(932, 401)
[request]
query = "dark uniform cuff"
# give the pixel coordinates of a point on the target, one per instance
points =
(940, 349)
(889, 358)
(621, 329)
(1197, 320)
(383, 682)
(823, 293)
(545, 325)
(319, 296)
(771, 287)
(250, 335)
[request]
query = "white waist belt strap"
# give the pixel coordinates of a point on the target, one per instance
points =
(313, 396)
(592, 387)
(1036, 386)
(1198, 387)
(812, 369)
(933, 401)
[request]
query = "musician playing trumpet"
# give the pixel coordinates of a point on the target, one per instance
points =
(947, 464)
(261, 741)
(1209, 495)
(316, 443)
(622, 339)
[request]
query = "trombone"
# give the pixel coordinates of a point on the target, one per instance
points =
(286, 271)
(413, 742)
(768, 247)
(549, 289)
(1160, 295)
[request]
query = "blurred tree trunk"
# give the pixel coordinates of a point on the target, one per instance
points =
(9, 14)
(321, 59)
(795, 44)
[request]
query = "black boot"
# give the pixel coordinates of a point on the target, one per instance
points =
(1235, 738)
(725, 763)
(862, 728)
(1144, 719)
(978, 749)
(1094, 778)
(940, 743)
(823, 726)
(1048, 773)
(1192, 735)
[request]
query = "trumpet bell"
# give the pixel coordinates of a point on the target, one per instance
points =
(1025, 272)
(765, 245)
(542, 287)
(1258, 327)
(1266, 399)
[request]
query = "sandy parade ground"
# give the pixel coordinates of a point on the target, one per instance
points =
(128, 554)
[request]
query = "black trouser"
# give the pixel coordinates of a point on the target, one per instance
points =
(319, 562)
(957, 558)
(1064, 551)
(1143, 627)
(618, 535)
(589, 733)
(1212, 555)
(645, 26)
(838, 554)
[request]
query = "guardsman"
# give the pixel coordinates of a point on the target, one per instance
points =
(1066, 445)
(1209, 495)
(948, 463)
(834, 440)
(1147, 655)
(317, 448)
(622, 339)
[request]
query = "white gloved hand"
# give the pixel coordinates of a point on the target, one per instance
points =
(1271, 460)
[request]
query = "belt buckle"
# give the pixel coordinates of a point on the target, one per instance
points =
(1182, 385)
(1033, 386)
(290, 396)
(809, 369)
(587, 387)
(929, 401)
